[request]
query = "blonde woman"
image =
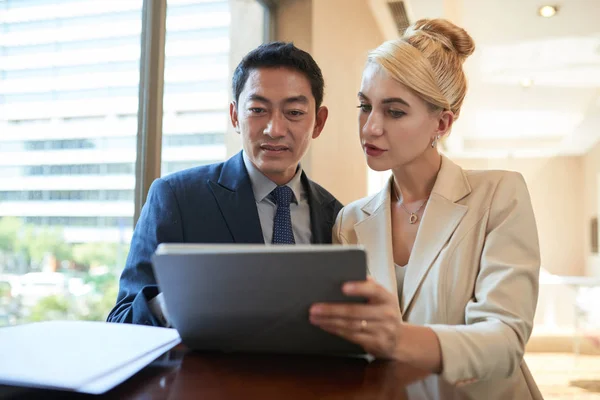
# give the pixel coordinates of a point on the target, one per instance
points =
(453, 255)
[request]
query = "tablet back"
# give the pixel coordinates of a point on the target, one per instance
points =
(256, 298)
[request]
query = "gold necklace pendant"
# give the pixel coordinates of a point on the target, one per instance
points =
(413, 217)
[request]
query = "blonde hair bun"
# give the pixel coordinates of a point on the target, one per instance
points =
(452, 37)
(429, 59)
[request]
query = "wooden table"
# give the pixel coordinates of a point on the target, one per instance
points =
(180, 374)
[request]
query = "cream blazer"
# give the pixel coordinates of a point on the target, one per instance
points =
(472, 275)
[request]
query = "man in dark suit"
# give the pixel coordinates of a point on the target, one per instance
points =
(259, 195)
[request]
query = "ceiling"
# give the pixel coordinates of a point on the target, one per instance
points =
(534, 82)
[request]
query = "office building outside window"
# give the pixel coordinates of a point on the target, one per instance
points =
(69, 84)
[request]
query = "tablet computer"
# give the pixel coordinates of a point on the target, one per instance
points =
(256, 298)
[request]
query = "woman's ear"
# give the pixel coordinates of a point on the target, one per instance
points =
(445, 121)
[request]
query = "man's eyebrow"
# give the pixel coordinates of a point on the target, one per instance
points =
(297, 99)
(258, 97)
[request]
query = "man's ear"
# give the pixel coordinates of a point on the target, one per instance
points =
(233, 114)
(322, 114)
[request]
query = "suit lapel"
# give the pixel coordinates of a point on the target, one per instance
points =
(321, 212)
(440, 219)
(234, 195)
(439, 222)
(375, 234)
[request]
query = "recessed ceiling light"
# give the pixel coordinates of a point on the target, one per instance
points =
(548, 11)
(526, 82)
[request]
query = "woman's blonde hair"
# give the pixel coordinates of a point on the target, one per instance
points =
(428, 59)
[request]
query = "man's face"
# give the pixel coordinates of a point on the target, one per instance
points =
(275, 115)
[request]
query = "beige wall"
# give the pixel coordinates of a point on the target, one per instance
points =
(293, 23)
(591, 203)
(339, 45)
(556, 189)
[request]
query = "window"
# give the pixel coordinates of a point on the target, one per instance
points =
(69, 121)
(116, 169)
(175, 166)
(59, 144)
(67, 176)
(67, 195)
(195, 139)
(94, 222)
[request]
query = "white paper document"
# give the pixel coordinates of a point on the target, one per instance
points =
(81, 356)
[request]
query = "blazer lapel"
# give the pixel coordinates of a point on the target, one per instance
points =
(234, 195)
(321, 212)
(440, 219)
(375, 234)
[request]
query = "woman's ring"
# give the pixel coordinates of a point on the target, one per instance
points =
(363, 325)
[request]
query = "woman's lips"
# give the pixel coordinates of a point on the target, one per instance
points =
(373, 151)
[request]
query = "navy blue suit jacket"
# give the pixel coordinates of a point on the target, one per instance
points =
(207, 204)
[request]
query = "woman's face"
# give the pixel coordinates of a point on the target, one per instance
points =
(396, 126)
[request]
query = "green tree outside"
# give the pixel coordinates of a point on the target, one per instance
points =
(98, 264)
